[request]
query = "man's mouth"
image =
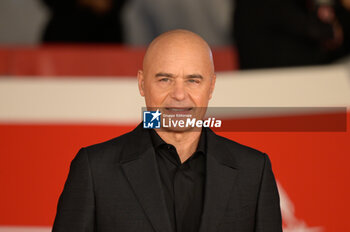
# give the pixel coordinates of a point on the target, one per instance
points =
(178, 109)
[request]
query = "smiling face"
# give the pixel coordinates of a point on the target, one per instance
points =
(178, 74)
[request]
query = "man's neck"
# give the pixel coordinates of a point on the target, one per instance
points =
(184, 142)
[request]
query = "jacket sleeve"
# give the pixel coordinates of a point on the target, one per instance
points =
(76, 206)
(268, 215)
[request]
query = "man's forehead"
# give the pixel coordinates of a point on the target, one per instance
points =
(179, 67)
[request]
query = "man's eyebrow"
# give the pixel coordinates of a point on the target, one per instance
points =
(162, 74)
(199, 76)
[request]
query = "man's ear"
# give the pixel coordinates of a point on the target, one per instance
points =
(212, 85)
(140, 80)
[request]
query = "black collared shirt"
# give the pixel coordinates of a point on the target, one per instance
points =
(182, 183)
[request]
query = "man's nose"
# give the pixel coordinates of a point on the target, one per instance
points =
(178, 91)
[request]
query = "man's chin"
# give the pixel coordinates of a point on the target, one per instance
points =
(178, 129)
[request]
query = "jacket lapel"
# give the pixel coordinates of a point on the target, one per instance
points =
(220, 179)
(140, 167)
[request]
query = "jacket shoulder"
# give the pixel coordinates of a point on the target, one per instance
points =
(108, 150)
(245, 155)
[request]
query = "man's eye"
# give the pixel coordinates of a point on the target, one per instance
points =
(193, 81)
(164, 79)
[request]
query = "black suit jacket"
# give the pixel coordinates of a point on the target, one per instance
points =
(115, 186)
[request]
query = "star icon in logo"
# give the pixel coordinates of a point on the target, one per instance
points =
(156, 115)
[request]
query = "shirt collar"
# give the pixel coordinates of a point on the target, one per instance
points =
(158, 141)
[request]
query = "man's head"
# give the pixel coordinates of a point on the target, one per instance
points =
(178, 73)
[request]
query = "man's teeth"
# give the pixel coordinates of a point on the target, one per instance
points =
(179, 109)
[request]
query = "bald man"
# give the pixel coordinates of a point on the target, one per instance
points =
(172, 179)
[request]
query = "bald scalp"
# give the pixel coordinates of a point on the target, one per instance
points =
(178, 40)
